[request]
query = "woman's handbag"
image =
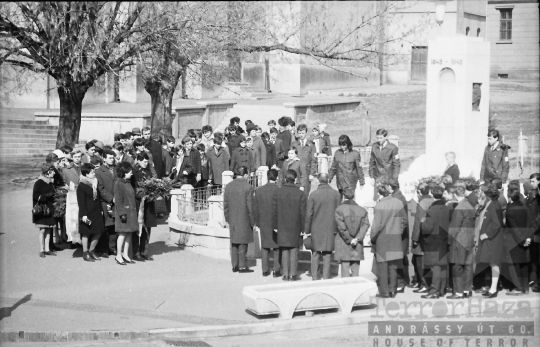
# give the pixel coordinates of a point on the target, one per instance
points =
(41, 210)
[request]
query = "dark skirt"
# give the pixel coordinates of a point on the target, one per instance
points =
(490, 251)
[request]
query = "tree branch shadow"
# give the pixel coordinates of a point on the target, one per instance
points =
(6, 311)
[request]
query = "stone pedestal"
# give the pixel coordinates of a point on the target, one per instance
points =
(455, 65)
(216, 217)
(186, 203)
(262, 172)
(322, 160)
(176, 196)
(226, 178)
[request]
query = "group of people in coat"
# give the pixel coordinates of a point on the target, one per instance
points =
(286, 219)
(109, 209)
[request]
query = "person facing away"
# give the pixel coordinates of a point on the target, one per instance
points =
(321, 207)
(289, 207)
(353, 223)
(238, 209)
(263, 213)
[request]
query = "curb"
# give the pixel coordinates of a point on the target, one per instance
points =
(64, 336)
(276, 325)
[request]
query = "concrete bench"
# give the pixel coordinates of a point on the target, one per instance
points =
(287, 298)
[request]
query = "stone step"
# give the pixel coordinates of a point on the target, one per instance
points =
(27, 126)
(29, 136)
(27, 144)
(18, 131)
(24, 122)
(25, 151)
(237, 84)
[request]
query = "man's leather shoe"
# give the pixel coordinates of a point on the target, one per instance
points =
(50, 253)
(295, 278)
(147, 257)
(93, 255)
(416, 285)
(277, 274)
(286, 278)
(235, 269)
(245, 270)
(400, 290)
(455, 297)
(266, 273)
(430, 296)
(138, 257)
(421, 290)
(104, 255)
(384, 296)
(481, 290)
(87, 257)
(489, 295)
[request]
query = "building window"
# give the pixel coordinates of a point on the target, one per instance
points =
(506, 25)
(478, 32)
(467, 31)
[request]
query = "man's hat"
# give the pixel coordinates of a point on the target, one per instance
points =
(99, 144)
(136, 131)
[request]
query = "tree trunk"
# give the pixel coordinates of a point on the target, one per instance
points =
(71, 98)
(161, 105)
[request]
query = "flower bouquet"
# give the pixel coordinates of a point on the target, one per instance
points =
(59, 204)
(155, 189)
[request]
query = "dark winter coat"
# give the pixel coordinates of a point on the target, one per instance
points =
(106, 182)
(91, 209)
(435, 234)
(420, 215)
(157, 155)
(461, 232)
(242, 157)
(327, 148)
(71, 175)
(271, 157)
(140, 175)
(387, 228)
(307, 157)
(347, 167)
(281, 151)
(125, 204)
(44, 193)
(301, 178)
(168, 162)
(289, 207)
(259, 153)
(490, 250)
(384, 161)
(352, 222)
(233, 142)
(495, 164)
(217, 164)
(533, 203)
(286, 138)
(263, 214)
(237, 206)
(518, 229)
(453, 171)
(405, 215)
(320, 218)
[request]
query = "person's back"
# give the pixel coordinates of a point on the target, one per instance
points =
(387, 229)
(322, 204)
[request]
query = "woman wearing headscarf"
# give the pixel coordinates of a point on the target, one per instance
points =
(43, 194)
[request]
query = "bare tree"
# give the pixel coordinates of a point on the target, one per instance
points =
(75, 43)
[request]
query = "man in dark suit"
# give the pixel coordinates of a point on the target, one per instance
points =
(106, 177)
(424, 202)
(284, 133)
(403, 267)
(306, 153)
(156, 150)
(533, 203)
(281, 151)
(384, 160)
(388, 225)
(495, 163)
(452, 169)
(237, 206)
(435, 243)
(321, 207)
(289, 213)
(263, 214)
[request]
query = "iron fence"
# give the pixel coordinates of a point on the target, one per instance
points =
(194, 207)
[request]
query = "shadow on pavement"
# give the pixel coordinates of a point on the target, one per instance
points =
(6, 311)
(160, 247)
(78, 253)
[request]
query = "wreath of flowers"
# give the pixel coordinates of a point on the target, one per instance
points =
(59, 205)
(155, 188)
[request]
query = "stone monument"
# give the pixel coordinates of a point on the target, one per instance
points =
(457, 108)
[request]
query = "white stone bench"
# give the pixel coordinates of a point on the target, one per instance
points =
(286, 298)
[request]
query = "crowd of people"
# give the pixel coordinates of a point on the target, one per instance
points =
(460, 237)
